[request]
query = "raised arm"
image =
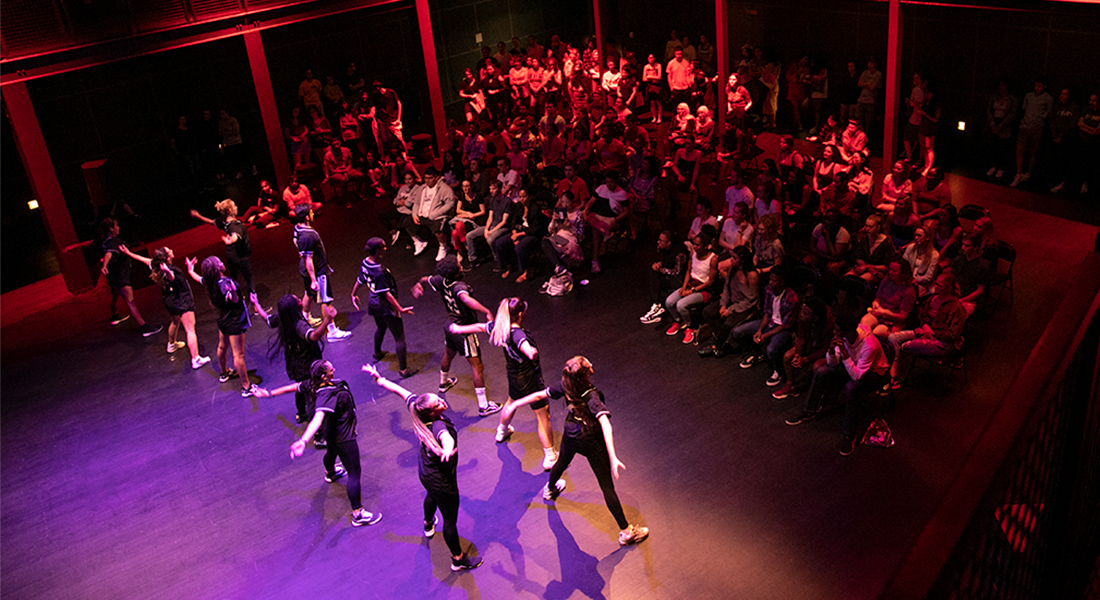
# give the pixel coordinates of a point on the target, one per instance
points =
(196, 214)
(384, 383)
(190, 262)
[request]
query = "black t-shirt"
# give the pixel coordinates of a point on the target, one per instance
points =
(579, 425)
(177, 293)
(120, 262)
(451, 292)
(435, 474)
(231, 315)
(378, 280)
(242, 248)
(309, 243)
(472, 206)
(299, 353)
(524, 374)
(501, 207)
(336, 400)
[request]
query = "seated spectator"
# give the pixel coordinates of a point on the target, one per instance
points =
(983, 229)
(552, 151)
(562, 244)
(903, 221)
(573, 184)
(682, 129)
(737, 230)
(769, 337)
(873, 250)
(766, 202)
(812, 332)
(510, 179)
(268, 210)
(296, 195)
(856, 363)
(643, 188)
(496, 224)
(736, 193)
(824, 172)
(606, 212)
(852, 140)
(470, 213)
(932, 194)
(946, 232)
(433, 207)
(704, 130)
(736, 305)
(667, 275)
(474, 145)
(894, 300)
(829, 243)
(838, 195)
(398, 217)
(339, 173)
(373, 172)
(923, 260)
(768, 247)
(971, 271)
(702, 218)
(610, 151)
(895, 185)
(526, 228)
(941, 325)
(861, 180)
(685, 166)
(700, 276)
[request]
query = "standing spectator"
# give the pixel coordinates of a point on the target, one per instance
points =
(798, 76)
(929, 120)
(1089, 126)
(819, 94)
(704, 53)
(849, 91)
(333, 94)
(1000, 115)
(651, 79)
(870, 81)
(1063, 130)
(232, 144)
(680, 77)
(673, 44)
(912, 126)
(738, 101)
(309, 91)
(388, 118)
(1037, 106)
(353, 81)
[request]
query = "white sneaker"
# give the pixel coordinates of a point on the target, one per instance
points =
(991, 172)
(503, 434)
(396, 234)
(199, 361)
(418, 247)
(441, 253)
(549, 460)
(633, 535)
(649, 313)
(337, 334)
(173, 346)
(1058, 188)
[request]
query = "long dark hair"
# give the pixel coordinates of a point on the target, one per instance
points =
(575, 381)
(160, 257)
(289, 312)
(212, 268)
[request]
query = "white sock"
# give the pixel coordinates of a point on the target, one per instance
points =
(332, 328)
(442, 378)
(482, 401)
(549, 452)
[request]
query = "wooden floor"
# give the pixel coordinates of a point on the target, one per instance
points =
(126, 475)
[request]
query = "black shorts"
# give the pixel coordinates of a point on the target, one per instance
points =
(177, 309)
(911, 131)
(118, 279)
(466, 345)
(323, 295)
(516, 394)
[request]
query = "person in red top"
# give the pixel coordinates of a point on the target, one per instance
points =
(610, 152)
(573, 184)
(338, 171)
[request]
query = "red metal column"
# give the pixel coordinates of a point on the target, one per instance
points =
(39, 166)
(893, 87)
(431, 67)
(269, 111)
(599, 35)
(721, 48)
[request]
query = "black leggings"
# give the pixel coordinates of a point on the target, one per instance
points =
(349, 455)
(447, 503)
(596, 452)
(395, 325)
(237, 265)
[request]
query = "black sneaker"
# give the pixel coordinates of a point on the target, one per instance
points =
(319, 443)
(429, 528)
(227, 375)
(249, 391)
(751, 361)
(847, 446)
(491, 408)
(805, 417)
(408, 373)
(365, 517)
(465, 563)
(148, 330)
(774, 380)
(116, 319)
(448, 384)
(336, 475)
(377, 356)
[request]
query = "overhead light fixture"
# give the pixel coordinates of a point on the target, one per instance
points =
(962, 125)
(33, 205)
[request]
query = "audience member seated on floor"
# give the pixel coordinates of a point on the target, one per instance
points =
(873, 250)
(971, 271)
(895, 185)
(932, 194)
(562, 244)
(923, 260)
(340, 174)
(767, 338)
(947, 234)
(496, 225)
(736, 193)
(269, 208)
(812, 332)
(829, 243)
(894, 300)
(855, 364)
(526, 229)
(903, 222)
(767, 245)
(695, 291)
(738, 303)
(470, 213)
(853, 140)
(296, 195)
(667, 275)
(939, 334)
(607, 213)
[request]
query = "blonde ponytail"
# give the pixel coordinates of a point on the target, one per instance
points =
(421, 406)
(509, 311)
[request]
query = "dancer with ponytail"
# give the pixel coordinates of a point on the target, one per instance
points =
(462, 308)
(178, 301)
(233, 319)
(588, 433)
(438, 458)
(301, 346)
(333, 400)
(524, 370)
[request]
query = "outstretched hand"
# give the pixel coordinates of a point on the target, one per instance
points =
(297, 449)
(417, 290)
(261, 393)
(190, 262)
(616, 465)
(406, 310)
(372, 371)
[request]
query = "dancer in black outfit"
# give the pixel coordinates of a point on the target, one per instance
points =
(335, 408)
(233, 319)
(588, 433)
(314, 268)
(382, 303)
(462, 308)
(178, 300)
(300, 344)
(438, 458)
(521, 357)
(238, 246)
(117, 267)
